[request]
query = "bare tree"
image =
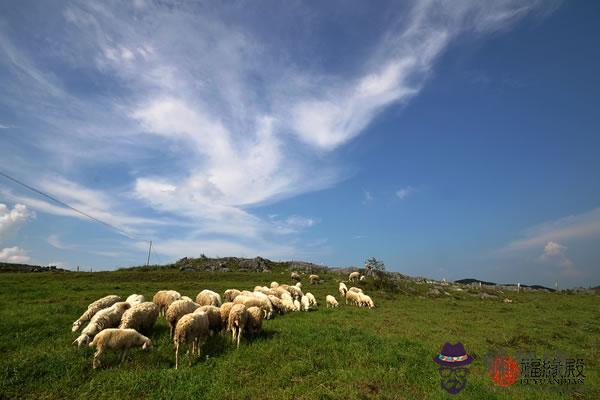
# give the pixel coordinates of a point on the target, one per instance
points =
(374, 267)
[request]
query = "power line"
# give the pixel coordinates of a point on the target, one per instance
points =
(62, 203)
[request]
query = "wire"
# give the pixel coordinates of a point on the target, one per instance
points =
(62, 203)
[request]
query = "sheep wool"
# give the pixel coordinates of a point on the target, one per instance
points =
(297, 305)
(214, 317)
(254, 323)
(274, 285)
(305, 303)
(331, 301)
(343, 289)
(224, 311)
(164, 298)
(140, 317)
(231, 294)
(93, 308)
(238, 317)
(354, 276)
(117, 339)
(355, 289)
(311, 299)
(314, 279)
(295, 276)
(135, 299)
(192, 329)
(277, 304)
(108, 318)
(208, 298)
(178, 309)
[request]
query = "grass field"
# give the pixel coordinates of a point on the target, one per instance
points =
(346, 353)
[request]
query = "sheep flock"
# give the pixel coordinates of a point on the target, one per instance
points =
(114, 324)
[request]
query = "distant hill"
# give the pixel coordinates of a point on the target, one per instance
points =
(10, 267)
(469, 281)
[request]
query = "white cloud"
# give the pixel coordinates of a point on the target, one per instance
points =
(14, 255)
(12, 219)
(299, 221)
(555, 252)
(5, 126)
(405, 192)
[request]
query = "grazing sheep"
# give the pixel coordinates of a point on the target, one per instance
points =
(93, 308)
(297, 305)
(108, 318)
(355, 289)
(286, 295)
(191, 329)
(274, 285)
(186, 298)
(352, 297)
(314, 279)
(298, 285)
(295, 276)
(118, 339)
(214, 318)
(507, 300)
(288, 303)
(238, 317)
(250, 301)
(354, 276)
(343, 289)
(164, 298)
(311, 299)
(295, 292)
(140, 317)
(362, 277)
(230, 294)
(365, 301)
(284, 286)
(178, 309)
(208, 298)
(277, 304)
(331, 301)
(305, 303)
(224, 311)
(135, 299)
(254, 322)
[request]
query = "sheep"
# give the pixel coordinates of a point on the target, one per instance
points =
(238, 317)
(331, 301)
(263, 303)
(295, 292)
(208, 298)
(305, 303)
(311, 299)
(260, 288)
(186, 298)
(191, 329)
(284, 286)
(288, 303)
(314, 279)
(280, 292)
(118, 339)
(274, 285)
(108, 318)
(286, 295)
(295, 276)
(352, 297)
(93, 308)
(164, 298)
(277, 304)
(224, 311)
(135, 299)
(230, 294)
(176, 310)
(254, 322)
(354, 276)
(297, 305)
(266, 291)
(140, 317)
(298, 285)
(362, 278)
(355, 289)
(365, 301)
(343, 289)
(214, 317)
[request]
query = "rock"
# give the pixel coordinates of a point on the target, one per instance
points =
(484, 296)
(433, 292)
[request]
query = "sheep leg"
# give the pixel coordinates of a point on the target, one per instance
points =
(176, 355)
(238, 337)
(96, 362)
(123, 355)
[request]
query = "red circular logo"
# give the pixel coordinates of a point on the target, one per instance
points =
(504, 371)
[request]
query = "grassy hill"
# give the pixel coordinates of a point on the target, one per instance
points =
(346, 353)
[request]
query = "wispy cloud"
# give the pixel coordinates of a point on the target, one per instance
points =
(405, 192)
(367, 197)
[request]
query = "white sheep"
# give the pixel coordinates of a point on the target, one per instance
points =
(355, 289)
(295, 292)
(230, 294)
(214, 317)
(176, 310)
(135, 299)
(108, 318)
(311, 299)
(277, 304)
(313, 278)
(354, 276)
(288, 303)
(352, 297)
(208, 298)
(140, 317)
(238, 317)
(331, 301)
(343, 289)
(297, 305)
(117, 339)
(93, 308)
(224, 311)
(295, 276)
(365, 301)
(254, 322)
(305, 303)
(191, 329)
(274, 285)
(250, 300)
(298, 285)
(362, 277)
(164, 298)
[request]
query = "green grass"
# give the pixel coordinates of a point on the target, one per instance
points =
(347, 353)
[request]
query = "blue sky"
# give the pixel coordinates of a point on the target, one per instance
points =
(449, 139)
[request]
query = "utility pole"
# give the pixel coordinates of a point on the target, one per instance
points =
(149, 250)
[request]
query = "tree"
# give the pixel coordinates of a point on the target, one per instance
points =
(374, 267)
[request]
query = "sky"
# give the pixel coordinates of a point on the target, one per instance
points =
(449, 139)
